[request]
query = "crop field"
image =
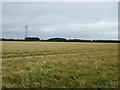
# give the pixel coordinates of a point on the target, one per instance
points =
(59, 65)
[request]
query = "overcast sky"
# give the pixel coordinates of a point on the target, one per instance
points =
(83, 20)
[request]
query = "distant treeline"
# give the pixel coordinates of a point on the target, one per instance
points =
(60, 40)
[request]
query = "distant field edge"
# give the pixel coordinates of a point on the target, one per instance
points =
(69, 41)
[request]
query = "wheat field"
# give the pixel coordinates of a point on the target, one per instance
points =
(59, 65)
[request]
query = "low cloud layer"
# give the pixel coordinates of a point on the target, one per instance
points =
(88, 20)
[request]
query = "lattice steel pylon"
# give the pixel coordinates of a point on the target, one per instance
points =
(26, 31)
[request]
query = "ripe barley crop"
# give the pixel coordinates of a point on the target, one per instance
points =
(59, 64)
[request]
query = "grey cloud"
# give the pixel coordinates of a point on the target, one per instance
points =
(71, 20)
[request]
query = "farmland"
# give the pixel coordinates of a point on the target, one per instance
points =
(59, 65)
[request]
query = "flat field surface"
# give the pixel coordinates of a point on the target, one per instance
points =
(59, 65)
